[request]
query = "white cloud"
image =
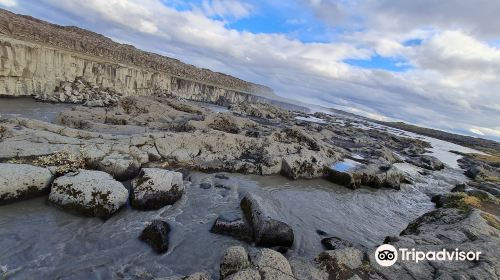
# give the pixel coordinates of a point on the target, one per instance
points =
(8, 3)
(452, 84)
(226, 8)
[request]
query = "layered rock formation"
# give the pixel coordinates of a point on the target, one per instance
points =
(37, 56)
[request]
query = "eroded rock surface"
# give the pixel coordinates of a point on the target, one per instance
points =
(22, 181)
(92, 193)
(155, 188)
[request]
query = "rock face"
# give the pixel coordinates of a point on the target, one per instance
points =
(155, 188)
(263, 217)
(156, 235)
(22, 181)
(92, 193)
(39, 55)
(342, 263)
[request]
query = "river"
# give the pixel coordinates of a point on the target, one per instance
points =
(39, 239)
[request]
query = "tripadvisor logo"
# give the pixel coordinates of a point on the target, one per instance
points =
(387, 255)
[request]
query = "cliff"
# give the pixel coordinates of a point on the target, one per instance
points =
(35, 56)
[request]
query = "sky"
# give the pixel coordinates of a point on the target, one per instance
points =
(430, 63)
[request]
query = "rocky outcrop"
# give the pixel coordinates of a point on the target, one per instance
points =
(372, 175)
(234, 226)
(156, 235)
(426, 162)
(345, 263)
(22, 181)
(92, 193)
(155, 188)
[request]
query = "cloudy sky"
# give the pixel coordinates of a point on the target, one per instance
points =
(427, 62)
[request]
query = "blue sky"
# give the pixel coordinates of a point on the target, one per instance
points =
(427, 62)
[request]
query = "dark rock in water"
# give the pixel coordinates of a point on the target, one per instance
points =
(372, 175)
(262, 216)
(234, 226)
(220, 186)
(321, 232)
(427, 162)
(459, 188)
(156, 235)
(439, 200)
(221, 176)
(205, 186)
(253, 133)
(155, 188)
(333, 243)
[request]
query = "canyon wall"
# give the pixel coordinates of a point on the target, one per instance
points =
(35, 56)
(30, 69)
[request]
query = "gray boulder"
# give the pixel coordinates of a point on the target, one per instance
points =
(92, 193)
(273, 265)
(22, 181)
(234, 259)
(121, 166)
(372, 175)
(155, 188)
(245, 274)
(234, 226)
(268, 229)
(341, 263)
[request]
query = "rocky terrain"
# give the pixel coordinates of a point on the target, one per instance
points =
(83, 159)
(136, 145)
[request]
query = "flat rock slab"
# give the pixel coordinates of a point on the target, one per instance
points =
(22, 181)
(155, 188)
(92, 193)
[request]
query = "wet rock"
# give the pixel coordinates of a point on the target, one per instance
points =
(372, 175)
(205, 186)
(92, 193)
(427, 162)
(234, 226)
(156, 235)
(155, 188)
(459, 188)
(22, 181)
(234, 259)
(491, 188)
(221, 176)
(268, 230)
(333, 243)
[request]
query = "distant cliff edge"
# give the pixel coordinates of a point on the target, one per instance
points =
(36, 56)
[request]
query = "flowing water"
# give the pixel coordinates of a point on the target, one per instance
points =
(39, 239)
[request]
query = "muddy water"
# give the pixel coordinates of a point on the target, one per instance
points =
(29, 108)
(39, 239)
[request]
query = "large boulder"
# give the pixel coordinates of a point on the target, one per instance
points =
(22, 181)
(269, 230)
(372, 175)
(234, 226)
(92, 193)
(155, 188)
(156, 235)
(234, 259)
(272, 265)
